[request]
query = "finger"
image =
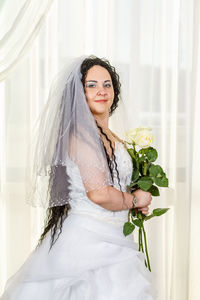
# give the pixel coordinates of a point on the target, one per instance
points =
(144, 211)
(144, 207)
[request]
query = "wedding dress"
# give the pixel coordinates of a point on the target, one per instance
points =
(92, 259)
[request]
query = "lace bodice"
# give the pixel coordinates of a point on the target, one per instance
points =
(81, 204)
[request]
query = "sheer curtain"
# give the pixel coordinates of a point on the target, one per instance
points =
(20, 23)
(155, 46)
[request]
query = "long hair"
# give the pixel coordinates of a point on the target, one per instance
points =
(56, 215)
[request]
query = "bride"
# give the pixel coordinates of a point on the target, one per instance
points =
(82, 253)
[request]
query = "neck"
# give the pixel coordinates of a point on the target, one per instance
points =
(102, 120)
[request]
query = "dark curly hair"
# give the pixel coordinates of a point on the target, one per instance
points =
(56, 215)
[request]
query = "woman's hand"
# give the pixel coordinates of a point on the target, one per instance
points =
(144, 200)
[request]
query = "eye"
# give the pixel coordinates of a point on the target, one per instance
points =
(108, 85)
(90, 85)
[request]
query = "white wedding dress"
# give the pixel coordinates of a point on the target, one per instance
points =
(92, 259)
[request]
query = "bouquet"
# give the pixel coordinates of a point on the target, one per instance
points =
(146, 176)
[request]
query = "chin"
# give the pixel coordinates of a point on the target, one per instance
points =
(100, 111)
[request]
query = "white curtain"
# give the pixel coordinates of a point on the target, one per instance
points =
(155, 46)
(20, 22)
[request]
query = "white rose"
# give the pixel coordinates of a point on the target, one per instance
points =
(130, 135)
(143, 137)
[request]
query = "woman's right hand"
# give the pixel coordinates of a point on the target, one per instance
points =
(144, 200)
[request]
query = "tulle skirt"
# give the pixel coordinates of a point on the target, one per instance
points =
(91, 260)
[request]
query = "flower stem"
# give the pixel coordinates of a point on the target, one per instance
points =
(146, 251)
(141, 244)
(145, 169)
(139, 239)
(129, 216)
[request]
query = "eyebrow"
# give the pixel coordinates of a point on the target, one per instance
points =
(96, 81)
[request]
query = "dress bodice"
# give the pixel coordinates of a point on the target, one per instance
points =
(81, 204)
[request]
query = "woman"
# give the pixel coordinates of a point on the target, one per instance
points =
(82, 253)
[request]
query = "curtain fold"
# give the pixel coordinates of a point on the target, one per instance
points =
(155, 46)
(20, 24)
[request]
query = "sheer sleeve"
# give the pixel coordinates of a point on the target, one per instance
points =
(91, 160)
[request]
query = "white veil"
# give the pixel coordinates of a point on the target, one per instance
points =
(66, 130)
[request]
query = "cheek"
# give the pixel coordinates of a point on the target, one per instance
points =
(89, 95)
(112, 95)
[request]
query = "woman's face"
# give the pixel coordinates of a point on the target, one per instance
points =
(99, 90)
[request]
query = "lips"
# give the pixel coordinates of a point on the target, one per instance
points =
(101, 101)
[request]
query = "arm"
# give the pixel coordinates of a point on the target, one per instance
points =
(110, 198)
(96, 183)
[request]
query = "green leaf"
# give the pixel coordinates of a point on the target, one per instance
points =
(145, 183)
(160, 211)
(152, 154)
(161, 181)
(131, 152)
(134, 163)
(137, 164)
(156, 171)
(135, 175)
(141, 159)
(137, 222)
(128, 228)
(143, 151)
(154, 191)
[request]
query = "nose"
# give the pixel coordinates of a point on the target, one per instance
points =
(101, 91)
